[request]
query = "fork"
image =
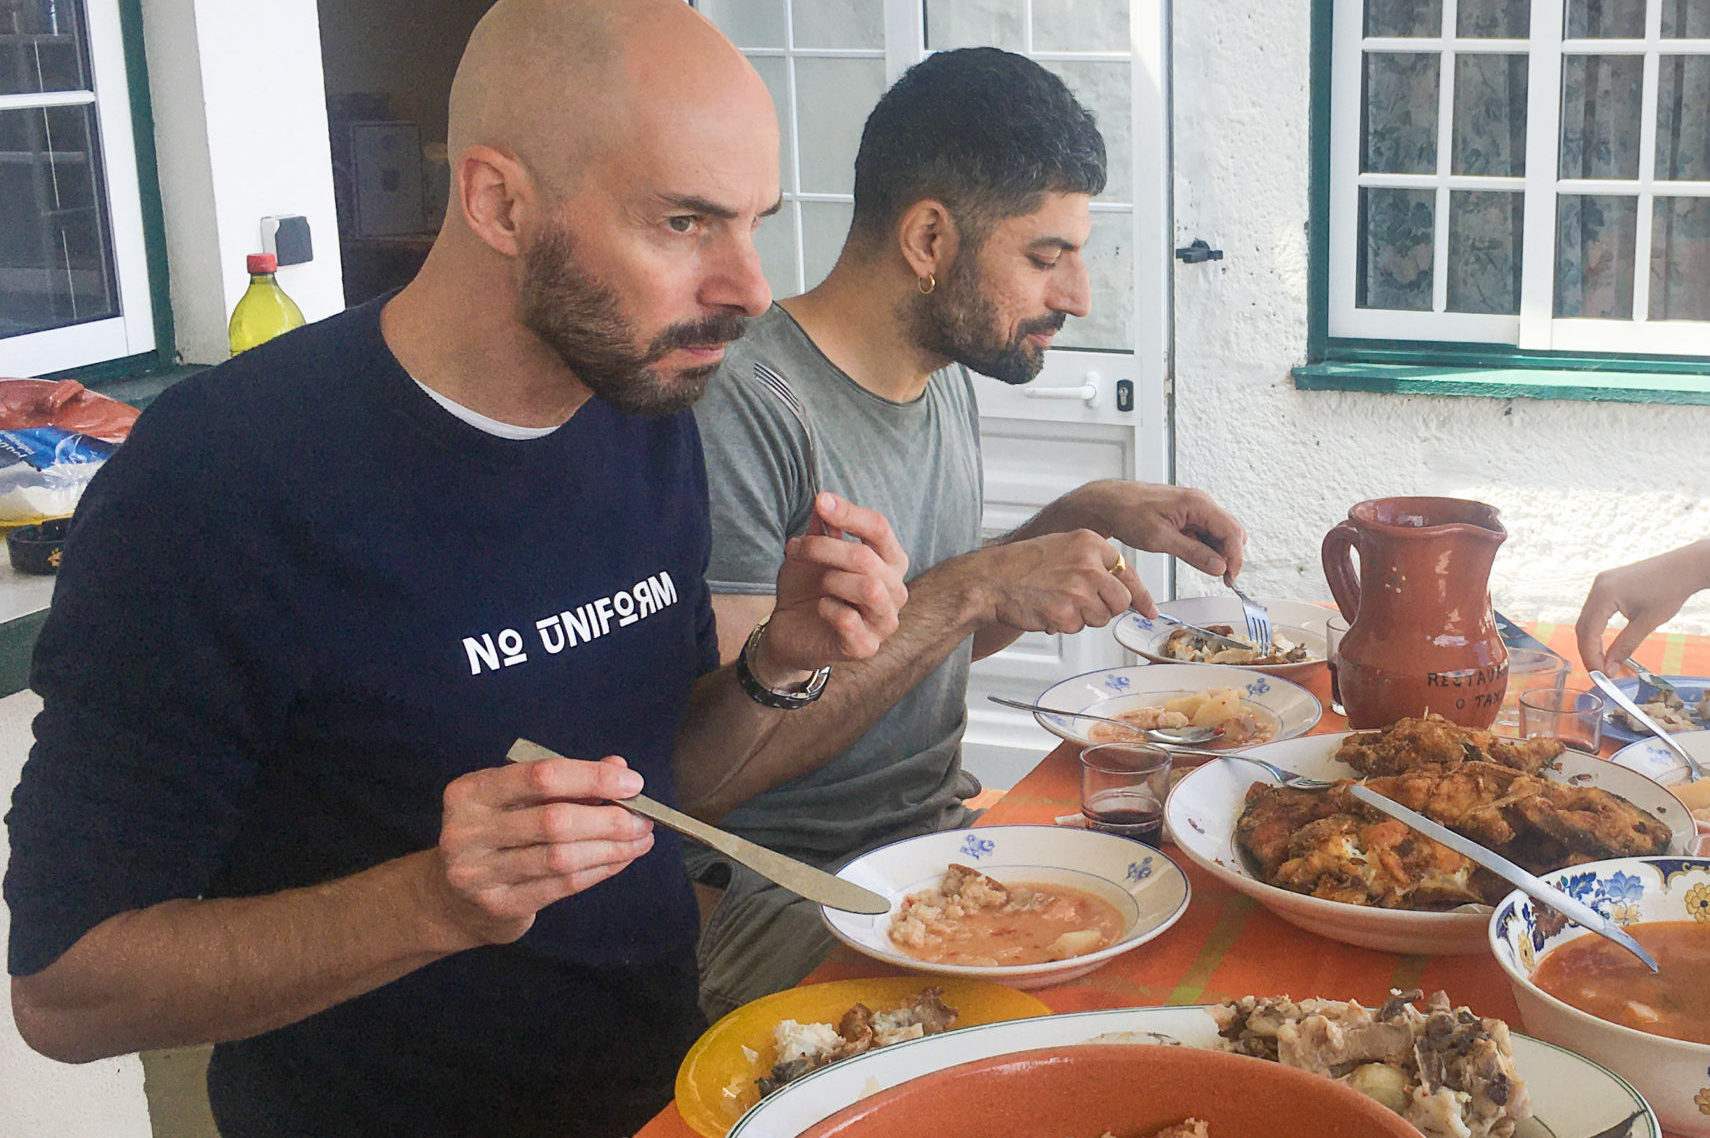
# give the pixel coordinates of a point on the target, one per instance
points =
(1652, 680)
(1286, 777)
(1258, 620)
(786, 394)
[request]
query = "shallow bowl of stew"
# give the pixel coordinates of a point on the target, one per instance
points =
(1573, 994)
(1129, 891)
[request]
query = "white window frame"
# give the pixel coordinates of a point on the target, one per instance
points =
(132, 331)
(1535, 327)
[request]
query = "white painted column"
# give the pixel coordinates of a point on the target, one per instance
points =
(241, 131)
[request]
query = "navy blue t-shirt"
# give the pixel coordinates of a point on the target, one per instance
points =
(299, 601)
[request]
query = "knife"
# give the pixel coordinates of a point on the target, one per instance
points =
(798, 877)
(1214, 637)
(1516, 637)
(1576, 911)
(1694, 771)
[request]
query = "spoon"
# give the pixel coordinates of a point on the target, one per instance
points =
(1188, 735)
(1694, 771)
(1576, 911)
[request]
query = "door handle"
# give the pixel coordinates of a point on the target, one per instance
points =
(1086, 392)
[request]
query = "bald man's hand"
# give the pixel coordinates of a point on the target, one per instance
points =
(837, 599)
(1647, 593)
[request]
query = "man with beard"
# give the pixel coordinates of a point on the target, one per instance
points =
(310, 604)
(972, 185)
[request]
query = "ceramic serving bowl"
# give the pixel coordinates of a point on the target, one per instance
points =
(1111, 691)
(1148, 889)
(1114, 1088)
(1201, 812)
(1672, 1074)
(1296, 621)
(1650, 758)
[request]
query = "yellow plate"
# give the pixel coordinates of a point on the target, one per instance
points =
(715, 1084)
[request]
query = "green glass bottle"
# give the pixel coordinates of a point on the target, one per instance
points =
(264, 311)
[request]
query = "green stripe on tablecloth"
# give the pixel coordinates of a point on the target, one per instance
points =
(1674, 651)
(1236, 908)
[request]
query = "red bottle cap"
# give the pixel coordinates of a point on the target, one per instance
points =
(262, 263)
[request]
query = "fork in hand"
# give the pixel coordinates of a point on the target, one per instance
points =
(786, 394)
(1258, 620)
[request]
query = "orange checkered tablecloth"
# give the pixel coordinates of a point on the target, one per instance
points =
(1227, 945)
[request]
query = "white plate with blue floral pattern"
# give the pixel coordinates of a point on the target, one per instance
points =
(1672, 1074)
(1291, 708)
(1148, 889)
(1572, 1097)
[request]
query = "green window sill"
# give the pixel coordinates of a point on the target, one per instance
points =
(1507, 383)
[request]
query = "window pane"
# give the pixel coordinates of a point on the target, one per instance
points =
(775, 71)
(824, 227)
(1683, 117)
(845, 24)
(1397, 228)
(834, 97)
(971, 23)
(1494, 19)
(748, 23)
(1105, 90)
(56, 266)
(1686, 18)
(1680, 259)
(1606, 19)
(1490, 115)
(1404, 17)
(1595, 237)
(1110, 270)
(1400, 135)
(1080, 25)
(1484, 251)
(42, 47)
(1600, 115)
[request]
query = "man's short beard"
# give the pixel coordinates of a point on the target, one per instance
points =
(956, 320)
(583, 322)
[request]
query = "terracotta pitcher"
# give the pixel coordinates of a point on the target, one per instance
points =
(1420, 636)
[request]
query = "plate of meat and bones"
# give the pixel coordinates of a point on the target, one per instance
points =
(1321, 860)
(762, 1072)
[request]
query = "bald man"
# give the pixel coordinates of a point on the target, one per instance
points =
(310, 604)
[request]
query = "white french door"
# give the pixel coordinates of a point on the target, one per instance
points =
(1100, 408)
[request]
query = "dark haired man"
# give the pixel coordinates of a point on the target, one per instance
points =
(315, 597)
(972, 187)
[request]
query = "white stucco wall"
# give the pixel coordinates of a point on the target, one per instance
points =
(1581, 486)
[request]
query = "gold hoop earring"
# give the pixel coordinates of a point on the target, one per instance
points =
(927, 284)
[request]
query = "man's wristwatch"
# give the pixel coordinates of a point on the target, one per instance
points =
(787, 700)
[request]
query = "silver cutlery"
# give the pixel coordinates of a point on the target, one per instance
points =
(798, 877)
(786, 394)
(1538, 889)
(1258, 619)
(1652, 680)
(1608, 687)
(1282, 775)
(1164, 735)
(1215, 637)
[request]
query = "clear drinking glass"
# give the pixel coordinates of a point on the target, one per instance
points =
(1572, 715)
(1335, 628)
(1529, 669)
(1123, 786)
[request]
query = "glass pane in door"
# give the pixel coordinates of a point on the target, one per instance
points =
(1404, 18)
(748, 23)
(844, 25)
(1686, 19)
(1605, 19)
(1490, 115)
(1397, 228)
(834, 97)
(776, 242)
(1485, 228)
(42, 48)
(1494, 19)
(775, 73)
(56, 264)
(1680, 259)
(1110, 271)
(824, 227)
(1080, 25)
(973, 23)
(1595, 240)
(1105, 90)
(1601, 96)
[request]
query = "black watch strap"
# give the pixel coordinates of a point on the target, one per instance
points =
(787, 700)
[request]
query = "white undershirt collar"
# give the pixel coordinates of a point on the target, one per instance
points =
(481, 422)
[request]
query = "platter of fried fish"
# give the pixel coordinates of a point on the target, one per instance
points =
(1320, 859)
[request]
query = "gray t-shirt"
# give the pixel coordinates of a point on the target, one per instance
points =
(918, 463)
